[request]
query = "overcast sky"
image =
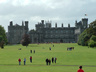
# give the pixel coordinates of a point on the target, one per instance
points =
(57, 11)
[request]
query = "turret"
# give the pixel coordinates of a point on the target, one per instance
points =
(56, 25)
(26, 24)
(62, 25)
(11, 23)
(69, 25)
(85, 22)
(42, 21)
(76, 23)
(22, 23)
(26, 27)
(48, 24)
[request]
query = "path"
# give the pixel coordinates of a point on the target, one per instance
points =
(45, 65)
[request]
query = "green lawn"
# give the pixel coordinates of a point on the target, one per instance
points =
(67, 61)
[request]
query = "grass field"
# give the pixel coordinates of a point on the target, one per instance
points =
(67, 61)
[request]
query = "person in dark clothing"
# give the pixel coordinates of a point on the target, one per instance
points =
(31, 59)
(55, 59)
(30, 51)
(52, 59)
(53, 45)
(47, 61)
(34, 51)
(49, 48)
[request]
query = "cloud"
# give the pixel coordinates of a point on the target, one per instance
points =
(3, 1)
(63, 11)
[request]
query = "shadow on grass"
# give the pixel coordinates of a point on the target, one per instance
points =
(45, 65)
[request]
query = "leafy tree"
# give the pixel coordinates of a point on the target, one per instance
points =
(83, 38)
(88, 37)
(91, 43)
(2, 44)
(93, 37)
(3, 38)
(26, 40)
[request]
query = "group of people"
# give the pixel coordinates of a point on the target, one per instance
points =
(19, 60)
(50, 47)
(31, 51)
(48, 61)
(54, 59)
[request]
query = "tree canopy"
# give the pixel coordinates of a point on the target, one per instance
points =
(3, 38)
(26, 40)
(88, 37)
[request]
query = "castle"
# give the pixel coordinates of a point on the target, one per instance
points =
(45, 33)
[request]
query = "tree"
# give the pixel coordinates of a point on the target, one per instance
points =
(3, 38)
(88, 37)
(83, 38)
(2, 44)
(26, 40)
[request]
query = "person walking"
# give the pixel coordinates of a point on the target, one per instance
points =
(49, 48)
(24, 61)
(30, 51)
(47, 61)
(80, 69)
(31, 59)
(55, 59)
(52, 59)
(19, 61)
(34, 51)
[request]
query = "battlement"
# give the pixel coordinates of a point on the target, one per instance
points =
(46, 33)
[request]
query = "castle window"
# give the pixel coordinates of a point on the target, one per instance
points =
(84, 26)
(46, 36)
(51, 31)
(46, 32)
(71, 31)
(56, 31)
(14, 30)
(61, 31)
(51, 36)
(61, 36)
(21, 31)
(66, 31)
(55, 36)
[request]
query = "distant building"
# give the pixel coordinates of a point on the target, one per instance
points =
(15, 32)
(45, 33)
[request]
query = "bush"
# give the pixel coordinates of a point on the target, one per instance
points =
(95, 44)
(86, 43)
(93, 37)
(82, 43)
(91, 43)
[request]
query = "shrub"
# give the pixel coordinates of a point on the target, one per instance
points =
(93, 37)
(91, 43)
(95, 44)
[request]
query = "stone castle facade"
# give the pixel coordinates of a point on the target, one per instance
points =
(46, 33)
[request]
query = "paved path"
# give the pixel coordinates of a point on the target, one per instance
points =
(45, 65)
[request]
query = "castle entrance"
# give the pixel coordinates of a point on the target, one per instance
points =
(61, 41)
(35, 40)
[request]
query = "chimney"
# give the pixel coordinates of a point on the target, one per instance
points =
(62, 25)
(56, 25)
(11, 23)
(42, 21)
(69, 25)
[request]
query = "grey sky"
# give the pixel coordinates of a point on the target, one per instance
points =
(60, 11)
